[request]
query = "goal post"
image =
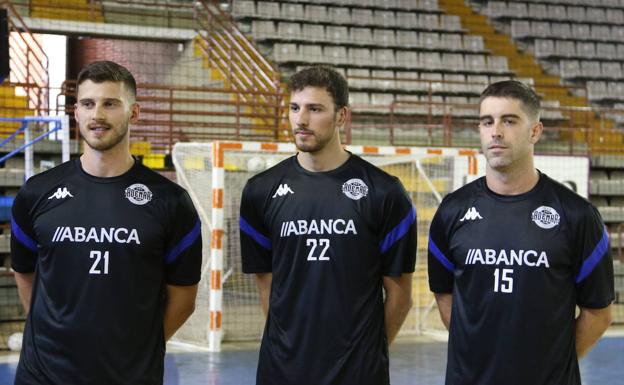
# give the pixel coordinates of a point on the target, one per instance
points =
(215, 173)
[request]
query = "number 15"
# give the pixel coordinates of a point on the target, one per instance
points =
(506, 281)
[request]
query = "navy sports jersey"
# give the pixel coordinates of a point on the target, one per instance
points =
(103, 250)
(328, 238)
(517, 266)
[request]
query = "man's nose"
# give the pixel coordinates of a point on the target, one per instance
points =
(98, 112)
(302, 119)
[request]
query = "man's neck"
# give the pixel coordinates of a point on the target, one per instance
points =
(328, 158)
(513, 182)
(106, 164)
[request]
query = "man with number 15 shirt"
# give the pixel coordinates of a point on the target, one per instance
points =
(106, 252)
(512, 254)
(325, 232)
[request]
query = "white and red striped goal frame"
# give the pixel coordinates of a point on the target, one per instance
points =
(219, 149)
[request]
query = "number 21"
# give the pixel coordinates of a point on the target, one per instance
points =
(98, 256)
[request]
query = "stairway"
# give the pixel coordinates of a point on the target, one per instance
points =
(264, 125)
(600, 136)
(243, 67)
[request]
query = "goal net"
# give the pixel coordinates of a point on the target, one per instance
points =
(215, 173)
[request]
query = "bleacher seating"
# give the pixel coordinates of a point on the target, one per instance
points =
(582, 40)
(393, 58)
(406, 50)
(607, 188)
(618, 115)
(392, 48)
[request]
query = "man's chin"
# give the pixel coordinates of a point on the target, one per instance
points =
(499, 164)
(98, 146)
(101, 145)
(306, 147)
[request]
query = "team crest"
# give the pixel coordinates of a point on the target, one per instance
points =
(138, 194)
(545, 217)
(355, 189)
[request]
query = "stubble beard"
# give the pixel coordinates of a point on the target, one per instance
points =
(109, 143)
(308, 147)
(499, 164)
(313, 144)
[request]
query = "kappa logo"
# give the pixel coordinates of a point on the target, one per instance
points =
(138, 194)
(545, 217)
(61, 193)
(471, 215)
(282, 190)
(355, 189)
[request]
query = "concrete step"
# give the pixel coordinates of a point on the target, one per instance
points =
(65, 13)
(606, 187)
(608, 161)
(11, 177)
(611, 214)
(156, 13)
(43, 146)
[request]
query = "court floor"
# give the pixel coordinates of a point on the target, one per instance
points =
(420, 362)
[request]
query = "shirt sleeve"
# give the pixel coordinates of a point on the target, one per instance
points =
(254, 236)
(24, 245)
(183, 254)
(440, 266)
(398, 232)
(594, 274)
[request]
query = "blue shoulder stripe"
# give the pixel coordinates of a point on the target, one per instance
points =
(255, 234)
(433, 248)
(590, 263)
(184, 243)
(23, 237)
(398, 232)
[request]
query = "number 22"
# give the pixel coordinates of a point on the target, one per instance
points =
(314, 243)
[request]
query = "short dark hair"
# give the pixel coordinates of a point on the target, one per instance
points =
(322, 77)
(107, 71)
(514, 89)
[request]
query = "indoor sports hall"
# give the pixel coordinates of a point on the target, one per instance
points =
(211, 82)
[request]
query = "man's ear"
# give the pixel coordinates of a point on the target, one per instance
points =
(76, 114)
(135, 110)
(536, 132)
(342, 115)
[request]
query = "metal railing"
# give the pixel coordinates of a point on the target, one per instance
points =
(227, 50)
(237, 60)
(170, 114)
(28, 61)
(181, 113)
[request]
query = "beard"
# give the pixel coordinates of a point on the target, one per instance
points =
(113, 137)
(312, 142)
